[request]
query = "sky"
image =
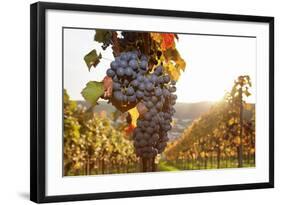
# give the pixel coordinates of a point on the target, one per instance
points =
(213, 63)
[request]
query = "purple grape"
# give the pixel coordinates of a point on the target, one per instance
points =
(120, 72)
(123, 63)
(128, 71)
(173, 82)
(118, 95)
(158, 92)
(141, 86)
(158, 70)
(172, 89)
(124, 56)
(130, 91)
(110, 73)
(143, 64)
(134, 56)
(166, 79)
(140, 78)
(116, 86)
(133, 64)
(114, 65)
(149, 86)
(135, 83)
(139, 94)
(154, 99)
(132, 98)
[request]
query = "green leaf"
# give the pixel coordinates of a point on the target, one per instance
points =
(92, 59)
(93, 91)
(102, 36)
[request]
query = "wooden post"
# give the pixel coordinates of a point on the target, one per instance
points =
(240, 147)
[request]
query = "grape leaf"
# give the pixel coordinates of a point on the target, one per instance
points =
(102, 36)
(174, 63)
(93, 91)
(134, 114)
(92, 59)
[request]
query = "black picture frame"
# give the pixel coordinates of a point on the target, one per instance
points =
(38, 97)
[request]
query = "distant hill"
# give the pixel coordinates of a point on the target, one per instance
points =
(183, 110)
(191, 110)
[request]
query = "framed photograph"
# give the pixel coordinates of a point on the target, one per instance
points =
(129, 102)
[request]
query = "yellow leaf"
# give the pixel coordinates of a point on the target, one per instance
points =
(172, 71)
(231, 121)
(156, 37)
(174, 64)
(237, 140)
(202, 154)
(134, 114)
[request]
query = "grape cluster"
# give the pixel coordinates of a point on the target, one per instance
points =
(133, 83)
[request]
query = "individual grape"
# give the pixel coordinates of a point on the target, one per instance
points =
(149, 130)
(153, 111)
(146, 79)
(149, 104)
(155, 137)
(166, 79)
(133, 64)
(140, 78)
(128, 71)
(110, 73)
(166, 92)
(143, 64)
(160, 80)
(123, 63)
(158, 92)
(130, 91)
(139, 94)
(120, 72)
(159, 105)
(172, 89)
(118, 95)
(134, 56)
(141, 86)
(149, 86)
(146, 136)
(116, 86)
(129, 55)
(124, 56)
(114, 65)
(158, 70)
(147, 116)
(174, 97)
(154, 99)
(153, 78)
(173, 82)
(134, 83)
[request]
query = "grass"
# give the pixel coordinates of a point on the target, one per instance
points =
(163, 166)
(197, 165)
